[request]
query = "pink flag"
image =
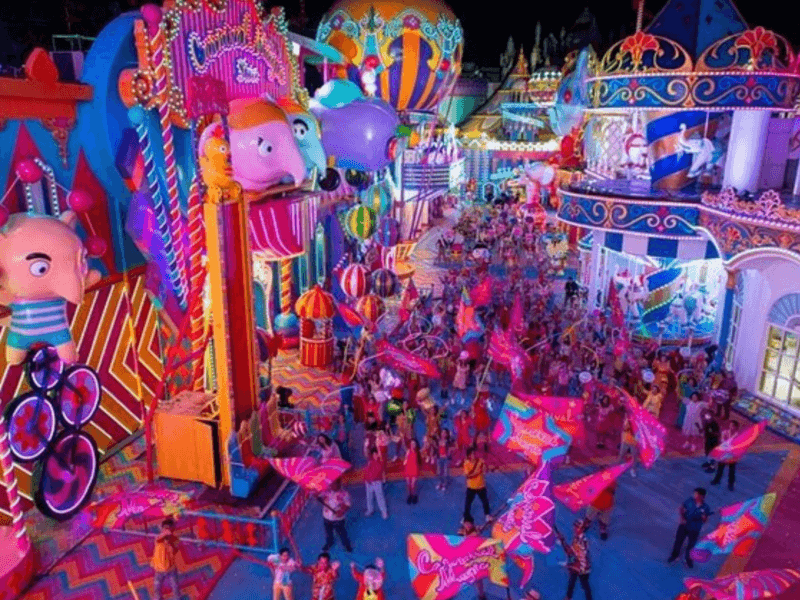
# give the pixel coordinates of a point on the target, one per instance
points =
(481, 294)
(582, 492)
(529, 431)
(567, 411)
(350, 316)
(733, 449)
(440, 566)
(398, 358)
(751, 585)
(308, 474)
(505, 351)
(650, 434)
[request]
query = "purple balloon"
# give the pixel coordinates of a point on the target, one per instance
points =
(359, 133)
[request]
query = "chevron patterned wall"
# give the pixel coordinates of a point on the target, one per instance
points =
(129, 369)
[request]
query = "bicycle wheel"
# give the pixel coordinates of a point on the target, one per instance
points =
(32, 423)
(65, 478)
(44, 368)
(79, 396)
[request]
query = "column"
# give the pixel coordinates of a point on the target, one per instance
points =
(748, 141)
(598, 239)
(727, 311)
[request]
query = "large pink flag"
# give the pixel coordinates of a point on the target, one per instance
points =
(750, 585)
(308, 474)
(504, 350)
(567, 411)
(582, 492)
(650, 433)
(440, 566)
(529, 431)
(481, 294)
(735, 448)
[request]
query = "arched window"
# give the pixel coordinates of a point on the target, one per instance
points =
(736, 317)
(780, 373)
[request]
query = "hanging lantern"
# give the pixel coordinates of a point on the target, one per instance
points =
(379, 198)
(370, 307)
(387, 233)
(361, 221)
(384, 283)
(355, 280)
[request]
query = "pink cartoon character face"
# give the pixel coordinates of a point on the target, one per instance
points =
(263, 148)
(43, 265)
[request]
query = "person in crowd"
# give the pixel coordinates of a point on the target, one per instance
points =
(579, 563)
(374, 475)
(601, 508)
(411, 471)
(444, 450)
(282, 566)
(628, 445)
(163, 563)
(731, 431)
(324, 574)
(335, 504)
(327, 448)
(475, 473)
(370, 580)
(468, 529)
(711, 439)
(693, 512)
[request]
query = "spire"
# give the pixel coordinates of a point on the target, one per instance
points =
(521, 67)
(536, 53)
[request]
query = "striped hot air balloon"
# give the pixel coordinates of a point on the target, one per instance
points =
(408, 54)
(379, 198)
(361, 221)
(384, 283)
(355, 280)
(388, 232)
(370, 307)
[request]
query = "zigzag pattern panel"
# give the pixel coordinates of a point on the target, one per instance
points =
(129, 369)
(102, 566)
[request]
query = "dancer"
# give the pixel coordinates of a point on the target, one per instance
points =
(730, 432)
(411, 471)
(578, 562)
(323, 574)
(475, 473)
(628, 445)
(694, 512)
(373, 484)
(282, 566)
(443, 452)
(601, 509)
(163, 562)
(370, 580)
(468, 529)
(335, 504)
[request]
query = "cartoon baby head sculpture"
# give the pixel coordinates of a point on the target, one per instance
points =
(263, 147)
(43, 265)
(307, 134)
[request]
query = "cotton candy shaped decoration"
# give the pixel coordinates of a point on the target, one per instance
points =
(306, 134)
(358, 134)
(263, 148)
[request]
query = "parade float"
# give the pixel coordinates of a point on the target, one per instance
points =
(689, 192)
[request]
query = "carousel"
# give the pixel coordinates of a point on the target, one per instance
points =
(316, 309)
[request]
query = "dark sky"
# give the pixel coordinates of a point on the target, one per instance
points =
(487, 23)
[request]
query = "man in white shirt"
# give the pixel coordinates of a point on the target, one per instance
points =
(335, 504)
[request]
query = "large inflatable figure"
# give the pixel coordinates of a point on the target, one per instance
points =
(572, 97)
(307, 135)
(43, 265)
(263, 148)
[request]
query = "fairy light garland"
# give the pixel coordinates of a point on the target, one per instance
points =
(55, 207)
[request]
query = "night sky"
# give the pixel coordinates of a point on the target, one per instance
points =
(487, 24)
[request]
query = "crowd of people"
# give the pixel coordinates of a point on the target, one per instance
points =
(413, 425)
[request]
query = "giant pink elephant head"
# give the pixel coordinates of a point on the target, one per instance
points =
(43, 265)
(263, 147)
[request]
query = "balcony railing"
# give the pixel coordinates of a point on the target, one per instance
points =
(418, 176)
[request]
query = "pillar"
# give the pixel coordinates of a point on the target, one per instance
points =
(598, 239)
(230, 273)
(748, 141)
(727, 311)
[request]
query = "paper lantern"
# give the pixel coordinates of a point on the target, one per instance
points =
(388, 232)
(355, 280)
(384, 283)
(379, 198)
(370, 307)
(361, 221)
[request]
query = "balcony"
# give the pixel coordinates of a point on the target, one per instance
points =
(433, 178)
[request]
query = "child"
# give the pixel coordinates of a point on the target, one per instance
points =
(411, 471)
(443, 451)
(692, 422)
(163, 562)
(370, 581)
(282, 566)
(711, 439)
(628, 445)
(323, 574)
